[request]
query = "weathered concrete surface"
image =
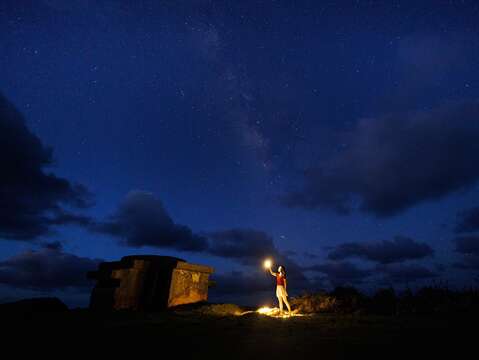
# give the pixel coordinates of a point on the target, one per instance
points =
(148, 282)
(189, 284)
(131, 281)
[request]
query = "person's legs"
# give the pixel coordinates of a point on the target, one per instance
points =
(285, 299)
(280, 299)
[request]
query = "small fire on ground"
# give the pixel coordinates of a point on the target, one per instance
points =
(274, 312)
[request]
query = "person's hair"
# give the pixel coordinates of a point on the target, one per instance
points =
(283, 270)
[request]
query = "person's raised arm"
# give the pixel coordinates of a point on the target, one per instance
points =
(271, 272)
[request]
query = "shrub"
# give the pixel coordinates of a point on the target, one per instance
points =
(220, 309)
(349, 299)
(384, 302)
(431, 300)
(314, 303)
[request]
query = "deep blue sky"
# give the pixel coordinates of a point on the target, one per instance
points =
(338, 137)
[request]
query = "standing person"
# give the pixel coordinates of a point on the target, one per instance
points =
(281, 292)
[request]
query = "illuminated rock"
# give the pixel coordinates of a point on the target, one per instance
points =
(148, 282)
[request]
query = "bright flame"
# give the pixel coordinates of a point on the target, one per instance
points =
(264, 310)
(267, 264)
(274, 312)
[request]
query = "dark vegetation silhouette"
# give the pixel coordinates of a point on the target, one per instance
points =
(427, 301)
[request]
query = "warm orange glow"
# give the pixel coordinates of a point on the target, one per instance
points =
(274, 312)
(267, 264)
(265, 310)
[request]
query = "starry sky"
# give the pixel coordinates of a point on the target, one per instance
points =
(340, 138)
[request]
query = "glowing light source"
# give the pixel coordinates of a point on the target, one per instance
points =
(267, 264)
(265, 310)
(274, 312)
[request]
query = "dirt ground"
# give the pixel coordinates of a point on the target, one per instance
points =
(192, 334)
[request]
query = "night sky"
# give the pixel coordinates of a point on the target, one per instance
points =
(340, 138)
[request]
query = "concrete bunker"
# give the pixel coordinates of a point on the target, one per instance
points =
(148, 282)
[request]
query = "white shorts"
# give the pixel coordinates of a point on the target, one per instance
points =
(280, 291)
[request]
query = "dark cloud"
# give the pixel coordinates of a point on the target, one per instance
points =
(66, 218)
(251, 247)
(46, 269)
(384, 252)
(440, 267)
(468, 220)
(390, 164)
(247, 245)
(31, 199)
(340, 273)
(468, 245)
(406, 273)
(309, 255)
(53, 245)
(141, 220)
(469, 262)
